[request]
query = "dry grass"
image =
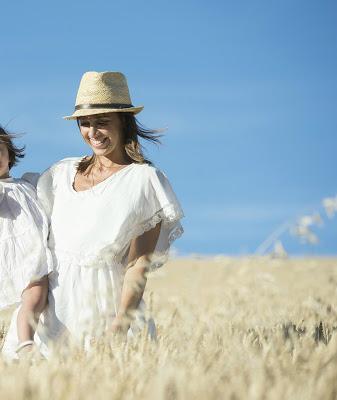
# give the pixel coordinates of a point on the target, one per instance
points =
(228, 328)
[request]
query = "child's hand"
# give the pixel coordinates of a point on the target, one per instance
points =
(25, 350)
(28, 352)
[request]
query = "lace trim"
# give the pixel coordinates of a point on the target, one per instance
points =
(168, 215)
(160, 258)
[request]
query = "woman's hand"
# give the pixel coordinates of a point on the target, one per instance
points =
(139, 258)
(120, 324)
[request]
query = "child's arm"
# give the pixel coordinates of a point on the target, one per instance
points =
(34, 300)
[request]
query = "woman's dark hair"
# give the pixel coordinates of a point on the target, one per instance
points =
(132, 130)
(14, 153)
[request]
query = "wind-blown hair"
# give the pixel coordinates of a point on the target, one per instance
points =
(14, 153)
(132, 130)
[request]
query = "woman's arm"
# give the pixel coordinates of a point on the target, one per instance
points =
(141, 249)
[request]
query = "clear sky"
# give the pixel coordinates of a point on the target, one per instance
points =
(247, 89)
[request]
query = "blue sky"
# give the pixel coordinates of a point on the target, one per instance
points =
(248, 91)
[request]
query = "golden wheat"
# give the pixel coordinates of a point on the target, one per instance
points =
(244, 328)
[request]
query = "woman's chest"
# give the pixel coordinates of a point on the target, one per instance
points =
(95, 206)
(85, 218)
(82, 182)
(89, 181)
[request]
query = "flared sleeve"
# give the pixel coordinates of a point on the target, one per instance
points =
(159, 202)
(43, 184)
(45, 190)
(49, 180)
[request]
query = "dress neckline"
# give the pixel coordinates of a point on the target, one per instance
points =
(98, 185)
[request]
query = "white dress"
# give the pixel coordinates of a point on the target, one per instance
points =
(90, 234)
(24, 256)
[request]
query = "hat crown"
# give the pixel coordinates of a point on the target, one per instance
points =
(103, 92)
(103, 88)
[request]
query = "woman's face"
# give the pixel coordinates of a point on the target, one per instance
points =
(103, 133)
(4, 161)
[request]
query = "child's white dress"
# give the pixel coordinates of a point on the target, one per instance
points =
(90, 235)
(24, 256)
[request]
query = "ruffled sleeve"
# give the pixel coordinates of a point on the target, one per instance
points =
(42, 183)
(44, 187)
(159, 203)
(45, 190)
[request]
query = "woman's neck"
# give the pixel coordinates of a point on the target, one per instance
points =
(112, 161)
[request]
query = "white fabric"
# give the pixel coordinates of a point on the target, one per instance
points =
(90, 234)
(24, 256)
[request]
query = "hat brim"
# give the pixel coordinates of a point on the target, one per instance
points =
(94, 111)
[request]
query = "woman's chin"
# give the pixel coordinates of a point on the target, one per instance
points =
(101, 152)
(98, 152)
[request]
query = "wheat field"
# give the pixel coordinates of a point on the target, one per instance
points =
(228, 328)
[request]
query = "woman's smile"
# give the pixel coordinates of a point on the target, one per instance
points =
(99, 143)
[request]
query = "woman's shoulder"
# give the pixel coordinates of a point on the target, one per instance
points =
(64, 163)
(151, 179)
(149, 171)
(60, 166)
(55, 173)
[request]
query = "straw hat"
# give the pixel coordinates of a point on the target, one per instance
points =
(103, 92)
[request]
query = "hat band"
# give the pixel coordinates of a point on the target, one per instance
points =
(109, 105)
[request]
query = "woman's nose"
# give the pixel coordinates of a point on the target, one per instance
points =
(92, 131)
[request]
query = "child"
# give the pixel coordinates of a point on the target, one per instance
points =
(25, 260)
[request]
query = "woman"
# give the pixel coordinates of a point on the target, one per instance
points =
(112, 216)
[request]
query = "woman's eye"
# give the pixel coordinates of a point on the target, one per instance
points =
(85, 124)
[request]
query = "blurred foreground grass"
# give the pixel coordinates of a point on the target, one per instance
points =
(245, 328)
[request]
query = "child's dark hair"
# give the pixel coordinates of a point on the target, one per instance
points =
(14, 153)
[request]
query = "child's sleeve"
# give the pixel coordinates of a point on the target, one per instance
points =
(31, 177)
